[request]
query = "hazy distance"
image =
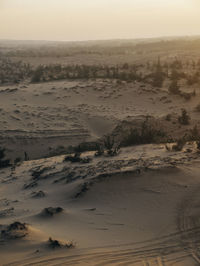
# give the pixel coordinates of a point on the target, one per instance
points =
(69, 20)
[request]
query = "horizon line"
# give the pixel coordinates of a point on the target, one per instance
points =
(106, 39)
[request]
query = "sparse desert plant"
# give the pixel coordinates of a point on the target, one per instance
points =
(76, 158)
(13, 231)
(109, 142)
(111, 146)
(85, 146)
(197, 108)
(17, 160)
(198, 145)
(99, 150)
(168, 117)
(147, 134)
(26, 157)
(3, 163)
(167, 147)
(37, 74)
(186, 95)
(57, 244)
(51, 211)
(83, 189)
(184, 118)
(179, 144)
(174, 87)
(194, 134)
(158, 76)
(192, 79)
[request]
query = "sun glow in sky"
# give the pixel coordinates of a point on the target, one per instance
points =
(97, 19)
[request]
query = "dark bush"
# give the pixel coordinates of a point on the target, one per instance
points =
(145, 135)
(168, 117)
(57, 244)
(197, 108)
(99, 149)
(76, 158)
(111, 146)
(37, 74)
(184, 118)
(174, 87)
(194, 134)
(179, 145)
(3, 163)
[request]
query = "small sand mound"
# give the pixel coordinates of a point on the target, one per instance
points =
(51, 211)
(14, 231)
(38, 194)
(58, 244)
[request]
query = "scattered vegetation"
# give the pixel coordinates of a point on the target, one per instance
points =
(146, 134)
(194, 134)
(198, 145)
(17, 160)
(13, 71)
(179, 145)
(184, 118)
(14, 231)
(197, 108)
(38, 194)
(76, 158)
(168, 117)
(111, 146)
(83, 189)
(51, 211)
(3, 162)
(57, 244)
(174, 88)
(99, 149)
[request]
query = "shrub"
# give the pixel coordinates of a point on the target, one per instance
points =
(184, 119)
(194, 134)
(57, 244)
(85, 146)
(186, 95)
(111, 146)
(17, 160)
(15, 230)
(76, 158)
(168, 117)
(145, 135)
(198, 145)
(37, 74)
(197, 108)
(3, 163)
(51, 211)
(174, 87)
(179, 144)
(99, 149)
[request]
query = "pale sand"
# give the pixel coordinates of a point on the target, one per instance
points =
(135, 211)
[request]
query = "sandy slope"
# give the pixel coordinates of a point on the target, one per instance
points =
(42, 118)
(138, 208)
(134, 211)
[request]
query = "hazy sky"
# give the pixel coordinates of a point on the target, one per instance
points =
(97, 19)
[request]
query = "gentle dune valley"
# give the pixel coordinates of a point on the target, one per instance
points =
(100, 152)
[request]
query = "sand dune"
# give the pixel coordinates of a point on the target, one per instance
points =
(134, 211)
(44, 118)
(84, 186)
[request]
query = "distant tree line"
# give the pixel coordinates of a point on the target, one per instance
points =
(152, 72)
(13, 71)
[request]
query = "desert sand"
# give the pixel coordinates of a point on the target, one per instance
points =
(140, 208)
(137, 206)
